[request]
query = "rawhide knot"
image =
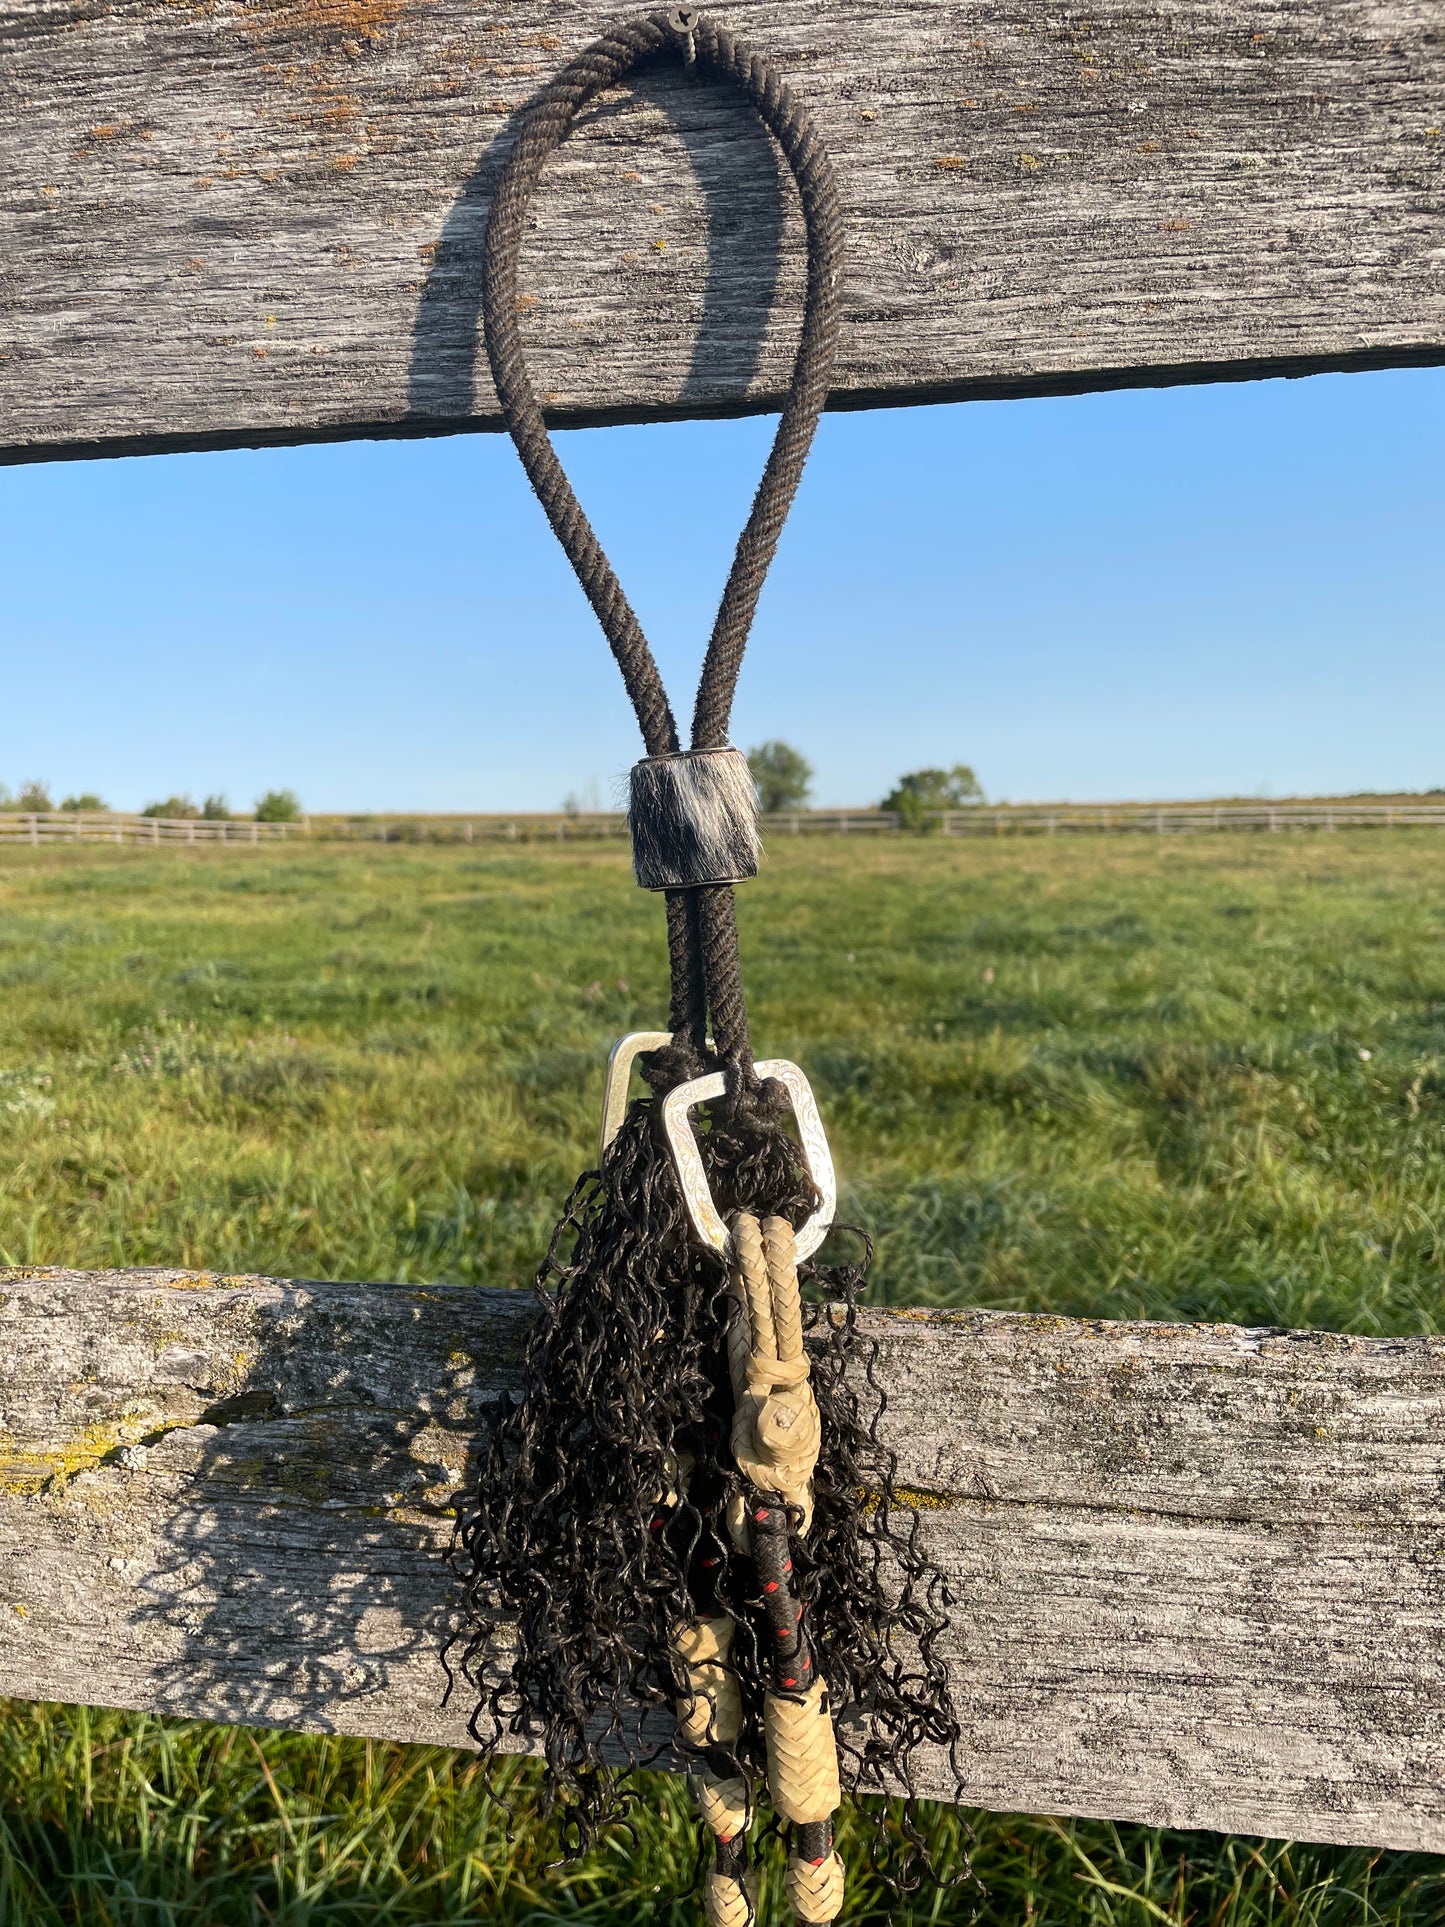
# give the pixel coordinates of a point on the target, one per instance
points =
(693, 817)
(776, 1435)
(776, 1431)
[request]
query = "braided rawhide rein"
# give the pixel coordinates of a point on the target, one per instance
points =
(776, 1433)
(685, 1507)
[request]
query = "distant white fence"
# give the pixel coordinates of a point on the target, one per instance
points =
(81, 826)
(1163, 819)
(1001, 819)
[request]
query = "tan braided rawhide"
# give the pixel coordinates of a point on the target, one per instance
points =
(802, 1755)
(710, 1714)
(725, 1805)
(776, 1432)
(815, 1888)
(775, 1440)
(711, 1711)
(728, 1901)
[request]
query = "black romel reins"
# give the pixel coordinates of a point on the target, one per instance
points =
(689, 1504)
(702, 929)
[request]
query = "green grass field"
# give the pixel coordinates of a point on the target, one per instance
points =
(1195, 1078)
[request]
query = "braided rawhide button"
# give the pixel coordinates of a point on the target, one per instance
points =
(725, 1804)
(815, 1891)
(802, 1754)
(727, 1808)
(726, 1902)
(711, 1712)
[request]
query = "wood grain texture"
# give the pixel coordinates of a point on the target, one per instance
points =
(242, 221)
(1200, 1572)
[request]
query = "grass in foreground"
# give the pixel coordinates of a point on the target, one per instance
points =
(109, 1818)
(1129, 1078)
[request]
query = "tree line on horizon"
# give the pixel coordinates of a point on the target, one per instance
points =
(33, 798)
(783, 779)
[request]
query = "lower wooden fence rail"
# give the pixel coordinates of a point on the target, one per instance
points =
(1199, 1571)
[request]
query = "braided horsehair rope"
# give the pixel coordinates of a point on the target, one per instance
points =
(776, 1429)
(702, 925)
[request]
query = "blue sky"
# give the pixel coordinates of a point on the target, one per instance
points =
(1170, 593)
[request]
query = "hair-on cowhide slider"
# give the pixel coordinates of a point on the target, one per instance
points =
(694, 819)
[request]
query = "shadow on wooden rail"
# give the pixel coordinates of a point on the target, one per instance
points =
(1198, 1571)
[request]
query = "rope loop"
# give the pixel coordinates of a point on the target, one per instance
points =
(706, 976)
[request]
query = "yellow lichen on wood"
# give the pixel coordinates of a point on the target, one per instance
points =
(25, 1473)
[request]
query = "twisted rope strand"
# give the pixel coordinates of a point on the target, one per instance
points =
(545, 125)
(784, 117)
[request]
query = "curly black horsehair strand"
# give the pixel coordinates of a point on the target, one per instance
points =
(596, 1523)
(578, 1576)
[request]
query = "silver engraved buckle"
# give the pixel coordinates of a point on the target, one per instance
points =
(818, 1159)
(620, 1060)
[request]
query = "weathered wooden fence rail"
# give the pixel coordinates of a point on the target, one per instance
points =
(1199, 1571)
(246, 222)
